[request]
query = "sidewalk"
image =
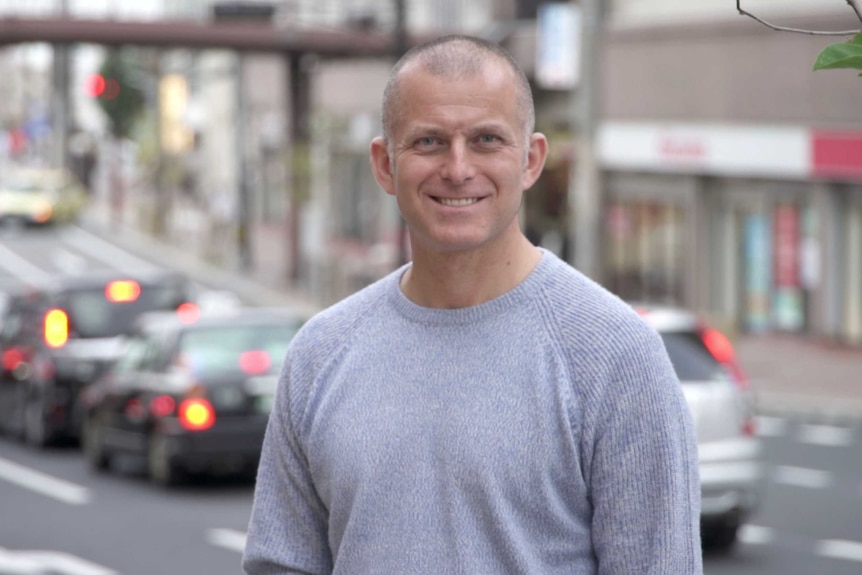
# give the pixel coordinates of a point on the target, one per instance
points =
(789, 374)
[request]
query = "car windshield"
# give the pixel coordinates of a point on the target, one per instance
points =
(691, 359)
(93, 314)
(255, 349)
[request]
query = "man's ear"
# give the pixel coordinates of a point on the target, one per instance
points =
(381, 165)
(536, 157)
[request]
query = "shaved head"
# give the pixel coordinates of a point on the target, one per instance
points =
(454, 57)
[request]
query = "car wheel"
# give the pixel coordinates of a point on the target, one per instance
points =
(160, 468)
(720, 537)
(94, 448)
(35, 427)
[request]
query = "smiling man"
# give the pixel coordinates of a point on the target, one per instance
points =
(485, 408)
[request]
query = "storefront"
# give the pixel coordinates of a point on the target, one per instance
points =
(752, 224)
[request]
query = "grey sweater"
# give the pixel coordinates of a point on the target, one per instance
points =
(542, 432)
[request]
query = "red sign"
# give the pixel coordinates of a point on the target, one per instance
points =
(836, 154)
(786, 229)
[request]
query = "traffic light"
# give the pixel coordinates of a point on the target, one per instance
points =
(100, 87)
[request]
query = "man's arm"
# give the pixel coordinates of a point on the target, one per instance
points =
(644, 476)
(287, 532)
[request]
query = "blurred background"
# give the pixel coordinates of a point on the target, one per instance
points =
(696, 162)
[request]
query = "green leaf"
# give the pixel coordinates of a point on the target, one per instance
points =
(843, 55)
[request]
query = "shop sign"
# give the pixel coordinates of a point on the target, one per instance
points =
(836, 154)
(705, 149)
(787, 297)
(558, 45)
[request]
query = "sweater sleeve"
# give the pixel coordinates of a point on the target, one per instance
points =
(644, 477)
(287, 531)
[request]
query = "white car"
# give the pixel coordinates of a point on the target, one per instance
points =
(722, 406)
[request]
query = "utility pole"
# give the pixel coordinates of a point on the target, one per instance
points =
(399, 46)
(584, 193)
(60, 108)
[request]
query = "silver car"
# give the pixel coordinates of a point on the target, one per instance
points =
(722, 406)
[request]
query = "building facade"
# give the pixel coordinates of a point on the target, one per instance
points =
(732, 171)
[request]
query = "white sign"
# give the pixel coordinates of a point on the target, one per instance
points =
(783, 152)
(558, 42)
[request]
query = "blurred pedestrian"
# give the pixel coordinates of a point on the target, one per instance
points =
(485, 408)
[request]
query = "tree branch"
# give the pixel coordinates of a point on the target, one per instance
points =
(854, 4)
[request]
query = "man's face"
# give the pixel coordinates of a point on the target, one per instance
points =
(459, 161)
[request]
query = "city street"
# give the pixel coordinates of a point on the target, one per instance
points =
(62, 518)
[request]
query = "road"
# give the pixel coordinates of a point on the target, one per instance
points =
(58, 517)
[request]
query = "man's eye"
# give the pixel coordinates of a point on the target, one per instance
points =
(488, 139)
(426, 141)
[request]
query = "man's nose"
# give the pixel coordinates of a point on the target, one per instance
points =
(458, 166)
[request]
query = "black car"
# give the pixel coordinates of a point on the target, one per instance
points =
(191, 397)
(56, 338)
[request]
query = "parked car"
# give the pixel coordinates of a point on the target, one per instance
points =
(191, 397)
(722, 406)
(40, 196)
(57, 337)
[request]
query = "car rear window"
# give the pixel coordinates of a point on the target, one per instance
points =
(691, 359)
(224, 349)
(93, 315)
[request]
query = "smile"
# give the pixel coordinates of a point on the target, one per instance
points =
(456, 202)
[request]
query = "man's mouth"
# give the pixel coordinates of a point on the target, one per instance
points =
(456, 202)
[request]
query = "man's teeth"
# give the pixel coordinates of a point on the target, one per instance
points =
(457, 201)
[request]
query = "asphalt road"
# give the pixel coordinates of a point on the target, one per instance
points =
(58, 517)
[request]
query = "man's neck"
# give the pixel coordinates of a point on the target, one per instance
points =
(453, 280)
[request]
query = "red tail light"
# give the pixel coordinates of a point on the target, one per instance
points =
(162, 405)
(196, 414)
(188, 312)
(11, 358)
(56, 331)
(722, 350)
(255, 362)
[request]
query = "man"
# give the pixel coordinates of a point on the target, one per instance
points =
(485, 409)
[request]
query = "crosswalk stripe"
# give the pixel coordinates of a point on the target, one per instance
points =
(840, 549)
(227, 538)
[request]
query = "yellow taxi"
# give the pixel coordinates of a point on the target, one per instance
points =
(39, 196)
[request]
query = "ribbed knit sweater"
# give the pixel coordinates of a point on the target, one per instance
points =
(542, 432)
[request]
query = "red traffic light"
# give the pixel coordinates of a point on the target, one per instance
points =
(100, 87)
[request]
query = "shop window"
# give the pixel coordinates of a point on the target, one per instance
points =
(643, 243)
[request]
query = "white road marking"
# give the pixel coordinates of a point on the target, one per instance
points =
(756, 535)
(21, 268)
(43, 483)
(68, 262)
(227, 538)
(53, 562)
(802, 477)
(828, 435)
(99, 249)
(768, 426)
(230, 539)
(840, 549)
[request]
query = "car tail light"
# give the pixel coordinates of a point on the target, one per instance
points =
(196, 414)
(122, 291)
(162, 405)
(135, 410)
(56, 332)
(188, 312)
(721, 349)
(12, 358)
(255, 362)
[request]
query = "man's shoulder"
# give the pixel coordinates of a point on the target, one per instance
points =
(587, 311)
(332, 325)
